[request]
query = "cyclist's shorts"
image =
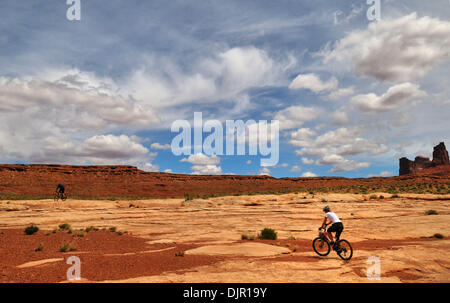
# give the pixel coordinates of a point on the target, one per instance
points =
(337, 227)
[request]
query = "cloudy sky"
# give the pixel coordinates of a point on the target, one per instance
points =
(352, 95)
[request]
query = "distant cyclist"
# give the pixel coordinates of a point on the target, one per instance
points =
(60, 189)
(337, 225)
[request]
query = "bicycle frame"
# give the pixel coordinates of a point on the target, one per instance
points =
(61, 195)
(326, 235)
(345, 252)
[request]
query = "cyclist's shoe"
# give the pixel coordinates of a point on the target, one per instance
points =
(337, 247)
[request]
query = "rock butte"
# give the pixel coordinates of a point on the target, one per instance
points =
(440, 164)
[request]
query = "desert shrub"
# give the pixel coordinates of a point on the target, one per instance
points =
(373, 197)
(29, 230)
(179, 254)
(90, 228)
(431, 212)
(268, 234)
(64, 226)
(381, 197)
(40, 247)
(395, 196)
(113, 229)
(323, 200)
(247, 237)
(438, 236)
(64, 247)
(78, 233)
(188, 197)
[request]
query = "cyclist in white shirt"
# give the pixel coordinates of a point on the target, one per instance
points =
(336, 227)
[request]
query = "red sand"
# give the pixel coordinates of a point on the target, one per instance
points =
(16, 248)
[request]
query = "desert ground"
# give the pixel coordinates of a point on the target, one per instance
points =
(200, 240)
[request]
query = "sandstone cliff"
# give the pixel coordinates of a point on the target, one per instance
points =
(440, 164)
(440, 155)
(39, 181)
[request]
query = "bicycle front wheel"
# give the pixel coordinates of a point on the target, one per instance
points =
(56, 198)
(321, 247)
(344, 250)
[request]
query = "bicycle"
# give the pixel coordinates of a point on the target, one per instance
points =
(59, 195)
(322, 246)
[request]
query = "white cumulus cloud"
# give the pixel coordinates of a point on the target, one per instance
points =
(394, 97)
(313, 83)
(203, 164)
(396, 50)
(333, 146)
(296, 168)
(309, 174)
(296, 116)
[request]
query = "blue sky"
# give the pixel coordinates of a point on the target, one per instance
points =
(352, 95)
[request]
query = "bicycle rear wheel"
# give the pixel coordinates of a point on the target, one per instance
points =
(321, 247)
(344, 250)
(63, 197)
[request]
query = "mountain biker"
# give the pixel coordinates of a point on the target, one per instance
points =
(336, 227)
(60, 189)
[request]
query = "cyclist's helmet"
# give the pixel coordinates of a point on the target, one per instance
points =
(326, 208)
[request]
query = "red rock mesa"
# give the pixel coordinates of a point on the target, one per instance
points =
(440, 164)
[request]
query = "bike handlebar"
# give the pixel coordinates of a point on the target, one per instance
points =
(324, 227)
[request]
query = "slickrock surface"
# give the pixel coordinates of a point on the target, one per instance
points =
(172, 240)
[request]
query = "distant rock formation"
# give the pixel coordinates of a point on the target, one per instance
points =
(424, 165)
(440, 155)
